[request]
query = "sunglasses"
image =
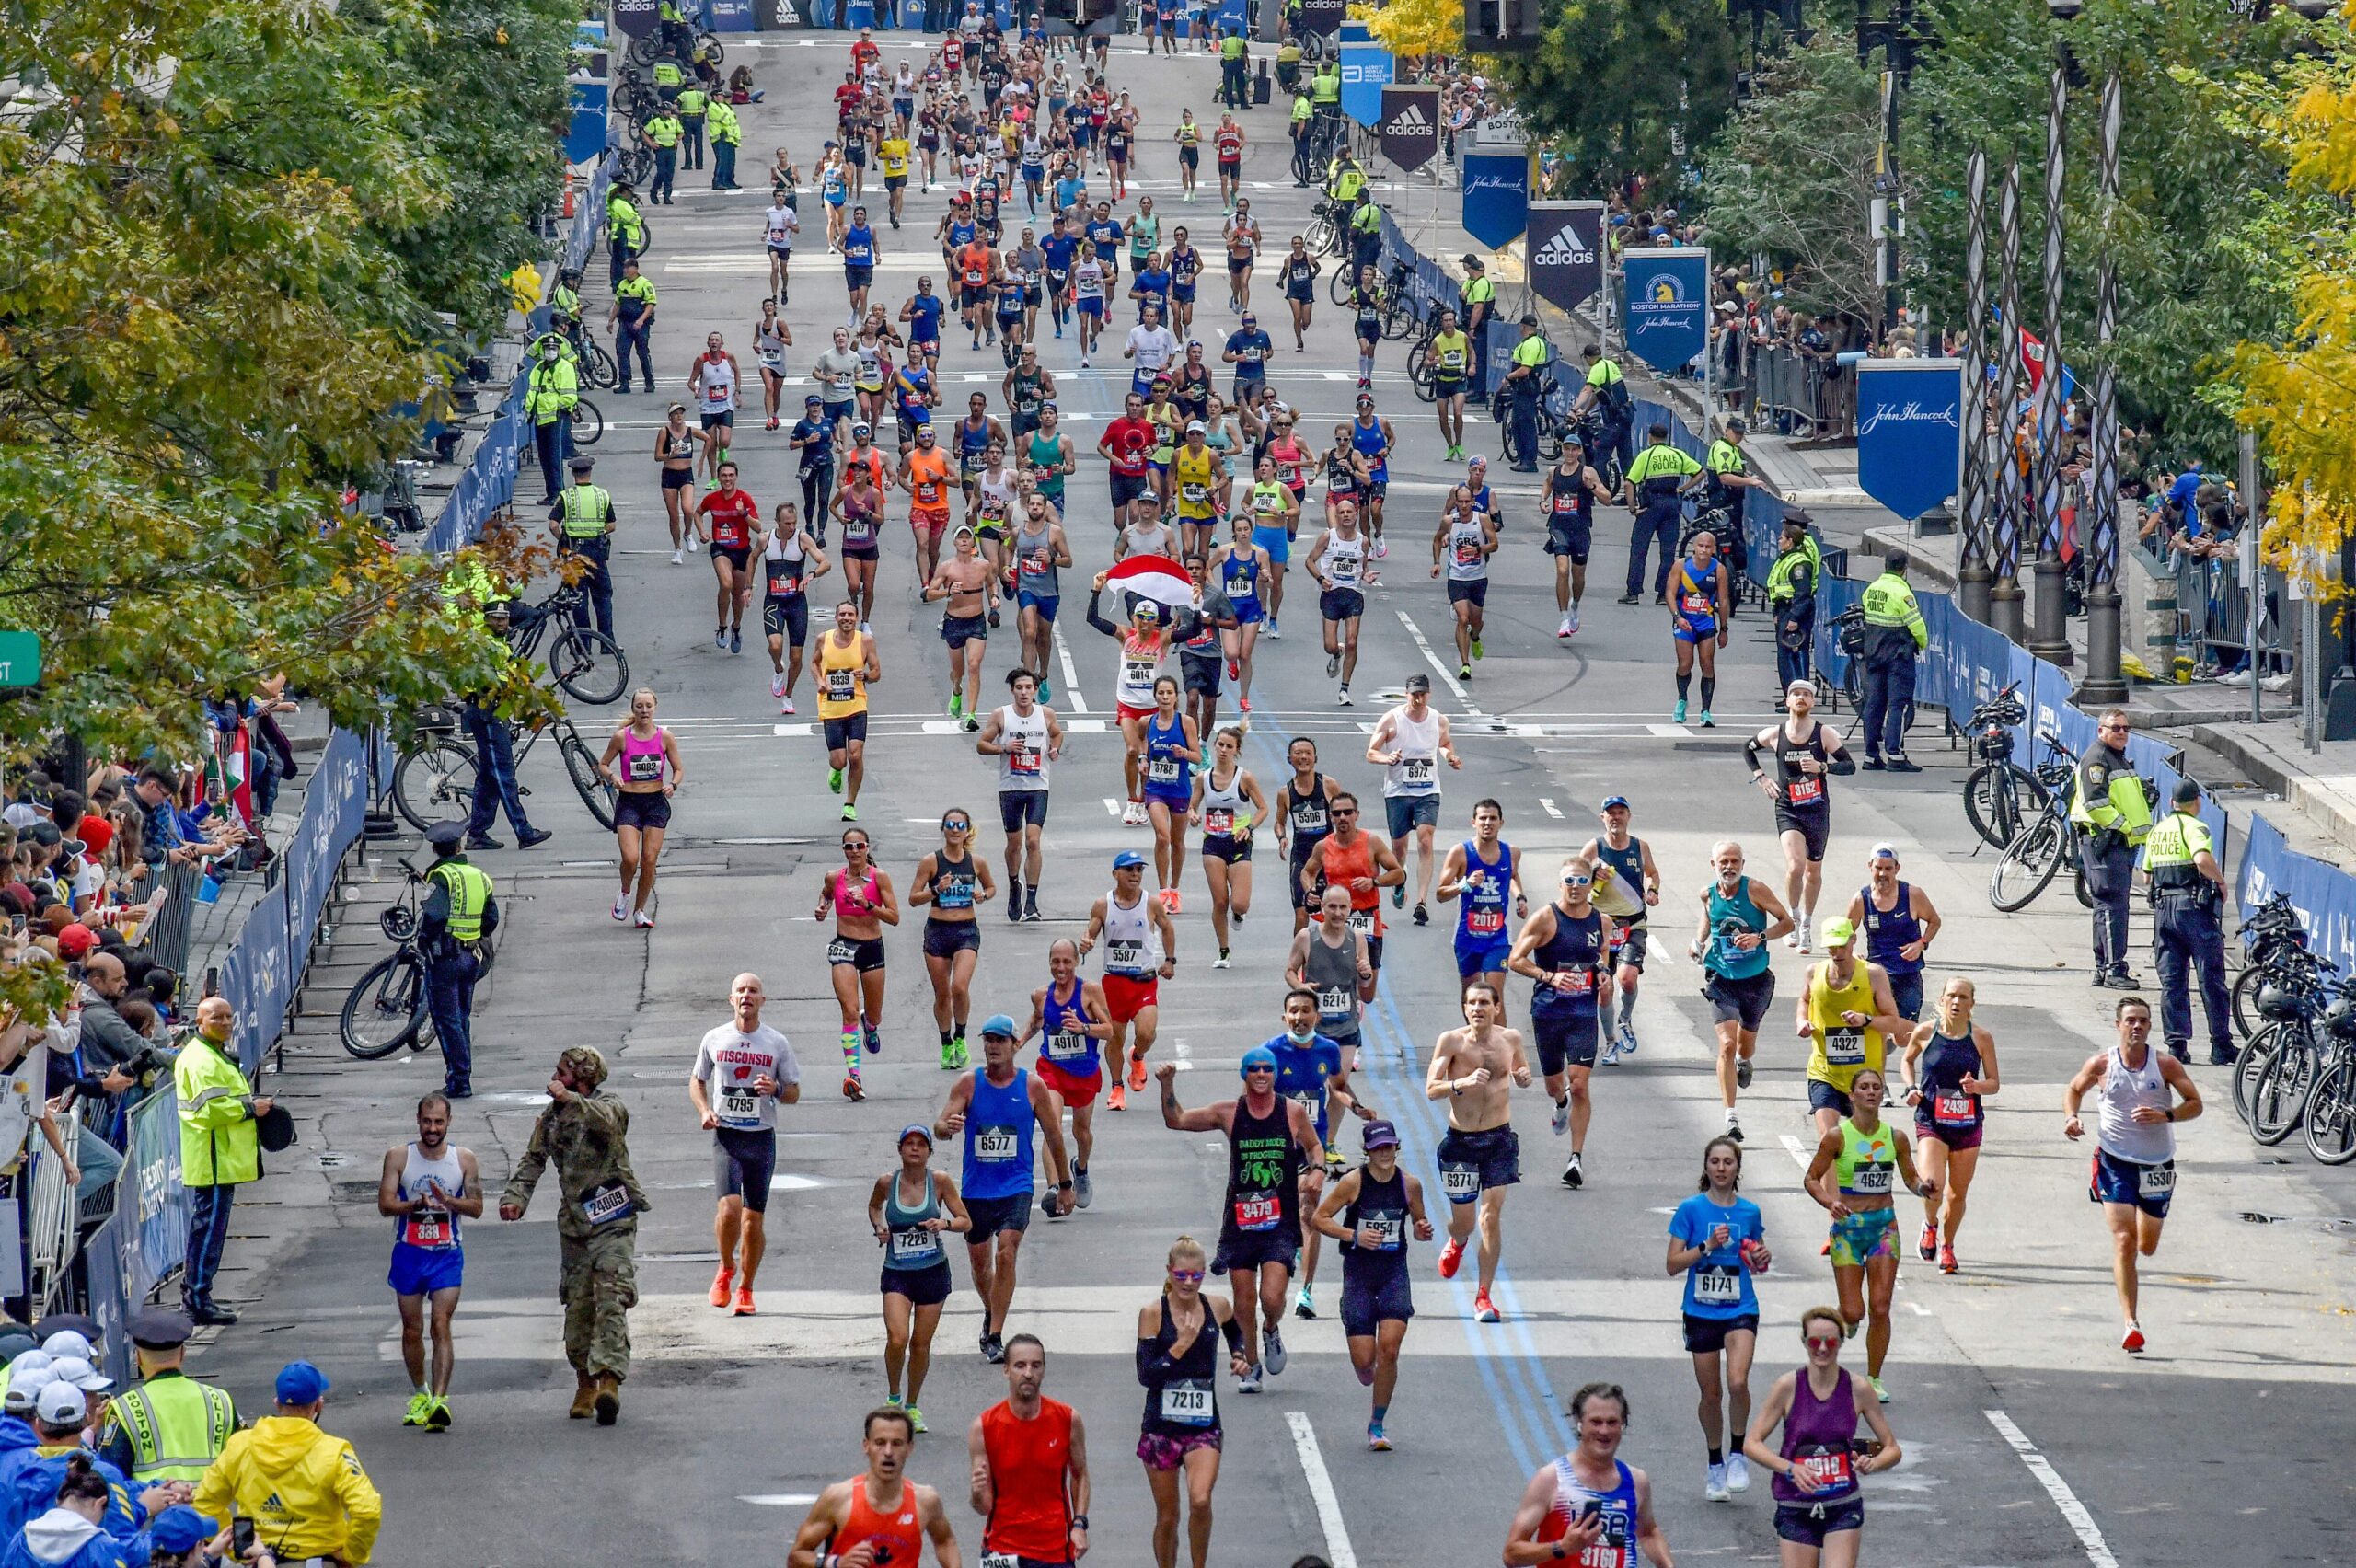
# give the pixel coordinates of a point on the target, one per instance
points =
(952, 825)
(1824, 1342)
(1576, 881)
(1345, 811)
(1187, 1277)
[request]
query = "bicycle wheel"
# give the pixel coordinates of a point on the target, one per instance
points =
(1852, 685)
(1998, 798)
(641, 51)
(639, 165)
(1337, 284)
(2278, 1103)
(434, 783)
(2331, 1114)
(385, 1011)
(714, 51)
(1398, 320)
(2245, 989)
(2028, 864)
(2256, 1058)
(1508, 446)
(588, 423)
(1550, 440)
(582, 769)
(1320, 235)
(602, 372)
(589, 665)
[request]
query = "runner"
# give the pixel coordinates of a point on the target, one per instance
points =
(1701, 617)
(1091, 279)
(1590, 1504)
(1313, 1073)
(1465, 540)
(1718, 1239)
(1173, 748)
(1048, 460)
(1297, 272)
(878, 1518)
(1025, 736)
(1185, 264)
(893, 150)
(1738, 919)
(1153, 346)
(1274, 1160)
(1846, 1011)
(1072, 1019)
(731, 518)
(909, 1209)
(954, 882)
(1030, 1469)
(712, 379)
(1140, 951)
(1227, 803)
(1028, 390)
(928, 476)
(858, 247)
(1408, 742)
(1227, 142)
(779, 225)
(648, 773)
(1371, 1211)
(1807, 752)
(1341, 551)
(744, 1070)
(1486, 872)
(1372, 435)
(1351, 857)
(1949, 1071)
(1819, 1509)
(1899, 923)
(848, 663)
(1241, 234)
(858, 506)
(426, 1188)
(1475, 1070)
(2145, 1092)
(1563, 949)
(1449, 355)
(1189, 137)
(675, 455)
(1039, 551)
(1303, 821)
(969, 590)
(1630, 861)
(997, 1106)
(860, 897)
(771, 338)
(791, 561)
(1573, 487)
(1195, 469)
(1850, 1177)
(1145, 642)
(1178, 1365)
(1240, 568)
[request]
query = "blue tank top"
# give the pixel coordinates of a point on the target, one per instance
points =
(1481, 920)
(1941, 1070)
(1061, 1040)
(1886, 931)
(859, 247)
(961, 234)
(1167, 773)
(1576, 948)
(908, 1246)
(1367, 440)
(1238, 577)
(998, 1125)
(971, 444)
(1724, 958)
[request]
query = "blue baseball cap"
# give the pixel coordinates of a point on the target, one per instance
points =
(1612, 800)
(1126, 858)
(1000, 1025)
(300, 1383)
(916, 1129)
(181, 1529)
(1379, 1135)
(1258, 1058)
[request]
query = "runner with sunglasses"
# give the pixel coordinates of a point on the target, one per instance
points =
(1817, 1463)
(860, 898)
(954, 882)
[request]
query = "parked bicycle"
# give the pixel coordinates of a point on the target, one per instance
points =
(386, 1009)
(585, 664)
(2274, 941)
(2046, 843)
(435, 780)
(1999, 795)
(1850, 638)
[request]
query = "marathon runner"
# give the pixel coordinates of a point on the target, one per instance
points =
(1573, 487)
(731, 518)
(1227, 803)
(1450, 358)
(1701, 619)
(1030, 1469)
(1038, 551)
(909, 1209)
(1486, 873)
(1814, 1468)
(1178, 1365)
(1126, 448)
(1312, 1072)
(1025, 736)
(641, 761)
(968, 589)
(791, 561)
(1238, 569)
(1226, 143)
(1241, 234)
(1274, 1159)
(1276, 519)
(1738, 919)
(1372, 436)
(1899, 923)
(955, 881)
(1140, 951)
(859, 507)
(1718, 1239)
(1073, 1020)
(1630, 861)
(847, 664)
(1047, 459)
(1341, 550)
(2145, 1092)
(857, 247)
(1474, 1070)
(1371, 1211)
(1462, 545)
(1408, 742)
(1350, 857)
(1590, 1504)
(1091, 279)
(1949, 1070)
(1173, 748)
(1564, 950)
(923, 311)
(860, 897)
(1145, 642)
(712, 379)
(771, 338)
(927, 475)
(1806, 753)
(674, 454)
(1296, 273)
(744, 1070)
(997, 1106)
(1846, 1013)
(426, 1188)
(878, 1518)
(1851, 1176)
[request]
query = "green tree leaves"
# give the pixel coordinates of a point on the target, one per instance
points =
(1633, 91)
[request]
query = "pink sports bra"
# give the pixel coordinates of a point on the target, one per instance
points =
(643, 757)
(867, 896)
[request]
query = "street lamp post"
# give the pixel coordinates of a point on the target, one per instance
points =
(2104, 682)
(2049, 629)
(2002, 467)
(1975, 574)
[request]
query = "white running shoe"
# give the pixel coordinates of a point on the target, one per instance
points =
(1738, 1473)
(1565, 628)
(621, 907)
(1714, 1488)
(785, 705)
(1561, 1118)
(645, 921)
(1133, 814)
(776, 685)
(1381, 550)
(1575, 618)
(679, 558)
(1343, 696)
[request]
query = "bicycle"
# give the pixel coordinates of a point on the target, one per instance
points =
(435, 780)
(1994, 791)
(702, 46)
(1850, 638)
(1324, 231)
(2045, 844)
(386, 1009)
(598, 367)
(2276, 943)
(584, 663)
(588, 422)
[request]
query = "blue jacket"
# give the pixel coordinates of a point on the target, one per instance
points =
(38, 1481)
(17, 1441)
(64, 1539)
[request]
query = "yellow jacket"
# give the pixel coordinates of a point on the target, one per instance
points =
(304, 1490)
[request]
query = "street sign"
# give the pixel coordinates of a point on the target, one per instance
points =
(1501, 131)
(19, 658)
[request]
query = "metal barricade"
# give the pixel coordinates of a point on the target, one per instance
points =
(167, 936)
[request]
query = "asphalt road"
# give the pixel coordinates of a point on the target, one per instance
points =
(2030, 1439)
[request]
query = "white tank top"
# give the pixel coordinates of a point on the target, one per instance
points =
(770, 343)
(1132, 946)
(997, 484)
(719, 386)
(1140, 662)
(1468, 557)
(2124, 1090)
(1023, 762)
(432, 1228)
(1156, 539)
(1344, 560)
(1225, 810)
(1418, 770)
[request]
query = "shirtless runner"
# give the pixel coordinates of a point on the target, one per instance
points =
(969, 586)
(1475, 1070)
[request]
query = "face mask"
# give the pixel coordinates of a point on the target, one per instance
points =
(549, 354)
(1300, 1036)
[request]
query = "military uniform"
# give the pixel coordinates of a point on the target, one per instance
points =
(586, 1138)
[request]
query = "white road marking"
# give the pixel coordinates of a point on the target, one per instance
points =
(790, 731)
(1678, 730)
(1801, 1154)
(1112, 807)
(1424, 643)
(1070, 690)
(2073, 1512)
(780, 1499)
(1550, 808)
(1321, 1490)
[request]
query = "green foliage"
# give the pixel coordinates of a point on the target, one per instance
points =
(1631, 91)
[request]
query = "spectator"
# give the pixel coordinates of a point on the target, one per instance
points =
(61, 1413)
(220, 1147)
(304, 1490)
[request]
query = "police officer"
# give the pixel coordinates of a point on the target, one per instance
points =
(630, 318)
(662, 132)
(1607, 389)
(1728, 475)
(171, 1427)
(1476, 303)
(726, 135)
(2188, 901)
(586, 1134)
(1345, 184)
(1791, 597)
(669, 77)
(1525, 380)
(1234, 63)
(583, 525)
(1654, 489)
(1895, 635)
(548, 398)
(2113, 816)
(1366, 233)
(625, 229)
(1325, 92)
(564, 301)
(693, 103)
(460, 911)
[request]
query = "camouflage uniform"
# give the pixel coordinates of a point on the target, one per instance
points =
(587, 1137)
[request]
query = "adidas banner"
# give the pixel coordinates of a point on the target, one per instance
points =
(1410, 126)
(1566, 251)
(1668, 323)
(1496, 196)
(1323, 18)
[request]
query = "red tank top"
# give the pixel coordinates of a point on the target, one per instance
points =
(1346, 863)
(1030, 1516)
(897, 1537)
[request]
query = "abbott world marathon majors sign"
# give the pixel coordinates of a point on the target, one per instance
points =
(1910, 431)
(1668, 303)
(1410, 127)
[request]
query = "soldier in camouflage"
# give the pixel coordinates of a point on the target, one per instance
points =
(586, 1135)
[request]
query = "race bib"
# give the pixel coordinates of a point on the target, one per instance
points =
(1123, 953)
(1309, 819)
(1575, 983)
(838, 685)
(1955, 1110)
(1220, 821)
(1460, 1183)
(842, 950)
(739, 1105)
(1194, 494)
(958, 895)
(605, 1205)
(1257, 1211)
(1337, 1001)
(646, 768)
(1136, 674)
(1389, 1231)
(1805, 789)
(1362, 922)
(1718, 1285)
(1311, 1100)
(2156, 1180)
(1845, 1047)
(1187, 1402)
(1066, 1046)
(429, 1227)
(914, 1247)
(1565, 505)
(1830, 1469)
(1484, 922)
(1873, 1179)
(1023, 760)
(1417, 769)
(1162, 769)
(993, 1145)
(1000, 1560)
(1241, 587)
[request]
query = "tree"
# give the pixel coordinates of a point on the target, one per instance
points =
(1414, 29)
(1631, 91)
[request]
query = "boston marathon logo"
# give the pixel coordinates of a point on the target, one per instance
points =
(1910, 412)
(1564, 250)
(1665, 305)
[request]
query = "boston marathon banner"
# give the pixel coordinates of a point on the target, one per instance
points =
(1566, 251)
(1496, 196)
(1410, 127)
(1910, 431)
(1668, 303)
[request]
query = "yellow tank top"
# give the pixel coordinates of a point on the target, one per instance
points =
(842, 686)
(1196, 475)
(1840, 1052)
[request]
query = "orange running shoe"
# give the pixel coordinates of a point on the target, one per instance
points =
(719, 1284)
(1116, 1098)
(744, 1301)
(1137, 1074)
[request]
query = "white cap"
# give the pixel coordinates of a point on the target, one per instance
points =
(24, 1385)
(61, 1404)
(30, 1361)
(80, 1373)
(65, 1342)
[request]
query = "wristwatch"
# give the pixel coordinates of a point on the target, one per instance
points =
(1080, 1521)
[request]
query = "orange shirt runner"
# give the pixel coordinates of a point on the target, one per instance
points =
(929, 478)
(898, 1533)
(1029, 1466)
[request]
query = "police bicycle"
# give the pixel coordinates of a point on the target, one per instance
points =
(2047, 841)
(386, 1009)
(703, 46)
(1999, 795)
(584, 663)
(435, 779)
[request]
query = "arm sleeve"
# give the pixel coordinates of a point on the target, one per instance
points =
(1096, 615)
(1154, 1368)
(1232, 1332)
(1751, 755)
(1840, 763)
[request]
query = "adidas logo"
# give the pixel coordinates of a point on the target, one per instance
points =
(1563, 250)
(1409, 121)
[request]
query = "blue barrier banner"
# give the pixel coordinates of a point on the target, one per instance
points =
(111, 1298)
(1366, 71)
(1496, 196)
(258, 977)
(584, 138)
(1909, 435)
(332, 807)
(734, 16)
(2323, 893)
(1667, 304)
(151, 1204)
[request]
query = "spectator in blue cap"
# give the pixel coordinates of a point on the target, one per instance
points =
(304, 1489)
(177, 1535)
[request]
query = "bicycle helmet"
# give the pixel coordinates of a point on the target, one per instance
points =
(2276, 1003)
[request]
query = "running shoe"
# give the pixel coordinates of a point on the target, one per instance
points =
(1244, 703)
(1947, 1260)
(915, 1421)
(1043, 693)
(1477, 649)
(777, 684)
(743, 1307)
(1485, 1311)
(644, 921)
(785, 704)
(852, 1090)
(1734, 1128)
(1575, 620)
(1249, 1382)
(1880, 1392)
(1714, 1487)
(1399, 897)
(437, 1414)
(971, 724)
(1741, 1077)
(948, 1055)
(1452, 1258)
(1463, 672)
(1564, 630)
(735, 639)
(621, 907)
(1677, 714)
(2131, 1340)
(1271, 1350)
(1927, 1241)
(1708, 722)
(1234, 670)
(723, 1283)
(1611, 1052)
(1573, 1176)
(1738, 1473)
(1303, 1306)
(835, 781)
(1116, 1098)
(419, 1403)
(871, 1037)
(1221, 960)
(1082, 1189)
(1133, 814)
(720, 638)
(679, 558)
(1805, 925)
(1274, 634)
(956, 705)
(1562, 1119)
(1174, 901)
(1031, 910)
(1423, 912)
(1374, 1441)
(1381, 550)
(1014, 905)
(993, 1349)
(1343, 696)
(850, 813)
(1137, 1074)
(1333, 665)
(1627, 1038)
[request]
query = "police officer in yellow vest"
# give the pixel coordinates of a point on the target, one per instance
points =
(1791, 597)
(171, 1427)
(1895, 637)
(2113, 816)
(726, 134)
(1234, 65)
(564, 300)
(220, 1147)
(662, 132)
(2187, 927)
(625, 229)
(583, 522)
(1526, 380)
(548, 399)
(460, 913)
(1477, 305)
(693, 101)
(669, 76)
(1325, 89)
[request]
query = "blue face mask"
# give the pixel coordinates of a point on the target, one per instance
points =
(1298, 1035)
